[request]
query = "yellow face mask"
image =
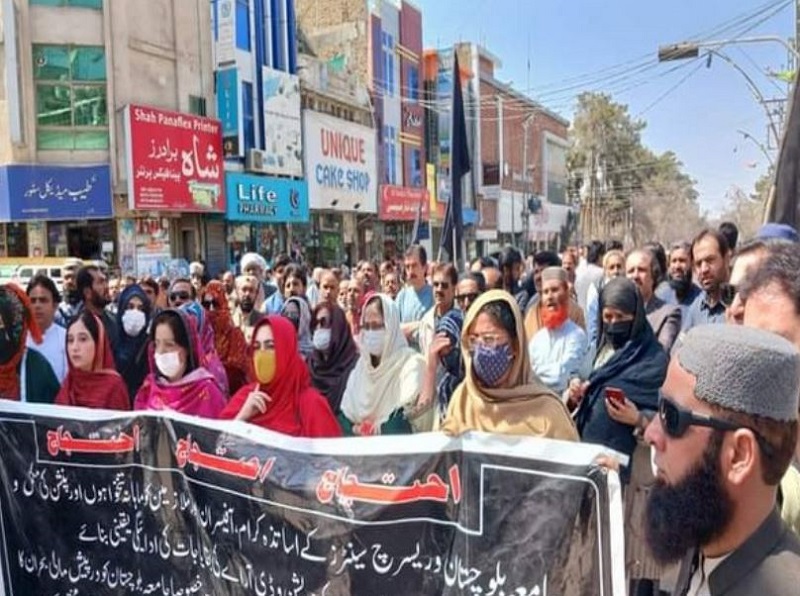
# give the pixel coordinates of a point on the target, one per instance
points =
(264, 365)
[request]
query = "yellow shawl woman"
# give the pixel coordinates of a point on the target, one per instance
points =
(523, 405)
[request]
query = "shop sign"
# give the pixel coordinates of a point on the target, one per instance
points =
(340, 164)
(265, 199)
(34, 192)
(283, 133)
(225, 45)
(228, 110)
(402, 203)
(174, 161)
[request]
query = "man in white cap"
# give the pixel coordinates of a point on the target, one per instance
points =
(558, 349)
(723, 438)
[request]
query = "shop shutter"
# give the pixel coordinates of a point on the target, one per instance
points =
(216, 247)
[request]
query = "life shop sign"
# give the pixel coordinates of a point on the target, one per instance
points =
(340, 164)
(174, 161)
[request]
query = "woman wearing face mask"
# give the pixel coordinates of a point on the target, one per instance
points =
(281, 397)
(228, 339)
(177, 379)
(296, 309)
(130, 354)
(25, 374)
(91, 381)
(617, 403)
(500, 394)
(335, 353)
(630, 362)
(386, 380)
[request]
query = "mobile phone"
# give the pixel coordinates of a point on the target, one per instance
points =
(615, 395)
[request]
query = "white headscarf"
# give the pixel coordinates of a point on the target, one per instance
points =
(374, 393)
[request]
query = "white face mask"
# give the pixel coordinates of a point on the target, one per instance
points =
(322, 339)
(372, 340)
(133, 321)
(169, 364)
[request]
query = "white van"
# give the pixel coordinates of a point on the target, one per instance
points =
(24, 273)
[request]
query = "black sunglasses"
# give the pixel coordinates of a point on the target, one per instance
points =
(179, 296)
(470, 297)
(209, 305)
(727, 294)
(677, 420)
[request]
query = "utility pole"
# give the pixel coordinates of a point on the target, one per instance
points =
(525, 196)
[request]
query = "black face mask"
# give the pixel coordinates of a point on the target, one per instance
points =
(680, 285)
(619, 333)
(247, 305)
(7, 347)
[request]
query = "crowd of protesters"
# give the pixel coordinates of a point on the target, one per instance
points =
(631, 350)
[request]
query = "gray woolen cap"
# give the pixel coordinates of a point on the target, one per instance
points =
(743, 369)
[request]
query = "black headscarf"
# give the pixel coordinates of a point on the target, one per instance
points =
(622, 294)
(329, 372)
(638, 368)
(130, 353)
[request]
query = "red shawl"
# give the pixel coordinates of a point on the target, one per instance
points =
(16, 313)
(296, 408)
(102, 387)
(229, 339)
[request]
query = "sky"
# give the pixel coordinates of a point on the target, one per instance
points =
(604, 45)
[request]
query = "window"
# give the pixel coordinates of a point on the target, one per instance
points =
(247, 117)
(98, 4)
(416, 168)
(556, 165)
(71, 109)
(388, 63)
(197, 105)
(390, 154)
(243, 24)
(413, 83)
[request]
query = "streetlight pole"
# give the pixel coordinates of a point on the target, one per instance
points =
(688, 50)
(691, 49)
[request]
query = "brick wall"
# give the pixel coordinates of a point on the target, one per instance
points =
(514, 113)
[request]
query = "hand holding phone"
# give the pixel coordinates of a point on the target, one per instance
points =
(617, 396)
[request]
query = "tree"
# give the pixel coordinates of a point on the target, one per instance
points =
(626, 190)
(666, 208)
(747, 211)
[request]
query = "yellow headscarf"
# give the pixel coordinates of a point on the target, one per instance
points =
(522, 406)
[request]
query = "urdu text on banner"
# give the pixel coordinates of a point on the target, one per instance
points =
(114, 503)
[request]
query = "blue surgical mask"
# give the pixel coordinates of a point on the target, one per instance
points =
(491, 364)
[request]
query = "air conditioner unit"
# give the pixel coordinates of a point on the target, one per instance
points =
(255, 161)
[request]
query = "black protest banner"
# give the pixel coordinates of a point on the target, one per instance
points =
(96, 503)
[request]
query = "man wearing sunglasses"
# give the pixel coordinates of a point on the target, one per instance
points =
(181, 292)
(723, 438)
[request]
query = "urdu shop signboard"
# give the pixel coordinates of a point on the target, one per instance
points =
(175, 161)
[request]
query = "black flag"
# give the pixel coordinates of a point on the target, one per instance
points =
(453, 230)
(783, 205)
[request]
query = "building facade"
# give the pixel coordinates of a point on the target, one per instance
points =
(259, 106)
(72, 70)
(381, 43)
(340, 157)
(517, 185)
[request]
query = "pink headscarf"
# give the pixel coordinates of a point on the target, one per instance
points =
(196, 393)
